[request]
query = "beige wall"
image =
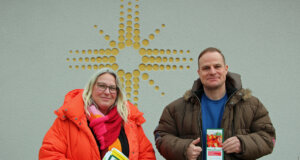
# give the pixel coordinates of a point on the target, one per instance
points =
(260, 40)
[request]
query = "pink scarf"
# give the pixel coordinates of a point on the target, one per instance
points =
(107, 127)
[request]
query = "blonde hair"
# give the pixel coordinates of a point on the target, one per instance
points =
(121, 100)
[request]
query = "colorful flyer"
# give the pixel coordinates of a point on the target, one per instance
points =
(214, 140)
(115, 154)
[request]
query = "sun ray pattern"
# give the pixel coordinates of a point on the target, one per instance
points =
(129, 36)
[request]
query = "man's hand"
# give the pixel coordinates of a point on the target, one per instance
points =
(232, 145)
(193, 151)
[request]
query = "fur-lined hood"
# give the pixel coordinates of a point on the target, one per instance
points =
(233, 82)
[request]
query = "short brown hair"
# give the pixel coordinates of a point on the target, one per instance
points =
(210, 49)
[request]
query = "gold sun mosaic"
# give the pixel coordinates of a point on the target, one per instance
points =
(151, 59)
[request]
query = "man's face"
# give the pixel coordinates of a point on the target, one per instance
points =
(212, 70)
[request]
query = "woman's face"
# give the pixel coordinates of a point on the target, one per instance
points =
(104, 92)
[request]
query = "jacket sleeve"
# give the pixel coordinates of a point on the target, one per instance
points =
(166, 140)
(261, 139)
(146, 151)
(54, 144)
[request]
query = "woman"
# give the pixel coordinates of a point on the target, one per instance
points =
(93, 121)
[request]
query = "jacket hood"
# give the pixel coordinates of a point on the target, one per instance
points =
(233, 82)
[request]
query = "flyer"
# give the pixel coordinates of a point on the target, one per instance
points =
(214, 140)
(114, 154)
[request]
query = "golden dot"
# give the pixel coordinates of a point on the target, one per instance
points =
(129, 10)
(95, 67)
(177, 59)
(151, 36)
(136, 25)
(162, 51)
(187, 67)
(121, 38)
(121, 19)
(181, 51)
(108, 66)
(128, 95)
(142, 67)
(121, 6)
(165, 59)
(107, 51)
(161, 67)
(128, 35)
(76, 51)
(136, 79)
(168, 51)
(128, 42)
(183, 59)
(158, 60)
(136, 45)
(128, 89)
(121, 31)
(168, 67)
(83, 51)
(136, 86)
(171, 59)
(86, 59)
(95, 26)
(121, 73)
(136, 19)
(137, 6)
(174, 51)
(101, 51)
(98, 59)
(155, 51)
(121, 45)
(128, 28)
(128, 75)
(101, 31)
(83, 67)
(68, 59)
(122, 13)
(156, 88)
(112, 59)
(157, 31)
(136, 31)
(114, 66)
(191, 59)
(101, 66)
(162, 93)
(70, 66)
(136, 38)
(135, 92)
(163, 25)
(89, 51)
(89, 67)
(174, 67)
(121, 25)
(149, 67)
(145, 42)
(106, 37)
(136, 73)
(129, 16)
(142, 51)
(137, 13)
(149, 51)
(77, 67)
(129, 3)
(80, 59)
(115, 51)
(112, 43)
(105, 59)
(155, 67)
(135, 99)
(122, 81)
(151, 59)
(129, 23)
(145, 76)
(70, 51)
(180, 67)
(93, 59)
(95, 51)
(188, 51)
(151, 82)
(128, 83)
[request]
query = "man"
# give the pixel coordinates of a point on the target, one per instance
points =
(216, 100)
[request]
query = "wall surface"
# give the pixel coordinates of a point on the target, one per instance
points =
(48, 48)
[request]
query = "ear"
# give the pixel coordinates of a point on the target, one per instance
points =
(226, 68)
(198, 71)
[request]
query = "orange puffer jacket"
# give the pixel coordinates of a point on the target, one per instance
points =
(71, 138)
